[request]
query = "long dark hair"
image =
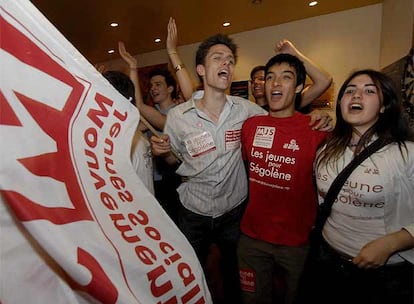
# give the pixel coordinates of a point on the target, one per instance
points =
(391, 126)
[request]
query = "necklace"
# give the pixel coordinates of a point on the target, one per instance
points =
(358, 137)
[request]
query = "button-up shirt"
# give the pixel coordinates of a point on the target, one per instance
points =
(216, 178)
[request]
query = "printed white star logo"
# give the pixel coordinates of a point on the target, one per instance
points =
(292, 145)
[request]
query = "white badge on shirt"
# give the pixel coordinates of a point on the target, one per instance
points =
(264, 136)
(232, 139)
(200, 144)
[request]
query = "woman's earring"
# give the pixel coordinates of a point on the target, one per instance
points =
(382, 110)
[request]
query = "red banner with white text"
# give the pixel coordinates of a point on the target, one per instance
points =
(77, 225)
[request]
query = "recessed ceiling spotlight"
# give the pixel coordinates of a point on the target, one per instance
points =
(157, 40)
(313, 3)
(114, 24)
(226, 24)
(111, 51)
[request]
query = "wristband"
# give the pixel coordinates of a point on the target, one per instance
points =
(179, 67)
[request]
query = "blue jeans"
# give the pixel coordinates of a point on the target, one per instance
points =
(224, 231)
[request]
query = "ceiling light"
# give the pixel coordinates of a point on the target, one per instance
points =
(114, 24)
(225, 24)
(111, 51)
(157, 40)
(313, 3)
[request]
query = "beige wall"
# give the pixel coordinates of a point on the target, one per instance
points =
(397, 30)
(339, 42)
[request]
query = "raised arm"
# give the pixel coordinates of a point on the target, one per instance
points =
(152, 115)
(321, 79)
(183, 77)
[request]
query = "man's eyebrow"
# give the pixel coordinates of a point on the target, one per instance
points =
(221, 53)
(288, 71)
(365, 85)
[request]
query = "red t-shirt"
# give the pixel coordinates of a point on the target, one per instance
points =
(282, 196)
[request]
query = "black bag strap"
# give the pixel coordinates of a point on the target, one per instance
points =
(326, 207)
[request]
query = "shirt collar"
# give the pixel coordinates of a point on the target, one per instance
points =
(157, 106)
(231, 100)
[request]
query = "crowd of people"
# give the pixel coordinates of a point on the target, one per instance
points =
(248, 176)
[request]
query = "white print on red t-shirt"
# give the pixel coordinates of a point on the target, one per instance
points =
(200, 144)
(247, 280)
(272, 160)
(269, 172)
(292, 145)
(232, 139)
(264, 136)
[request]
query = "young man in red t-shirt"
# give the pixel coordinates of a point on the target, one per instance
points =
(279, 150)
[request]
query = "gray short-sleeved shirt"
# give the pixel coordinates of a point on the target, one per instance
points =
(213, 163)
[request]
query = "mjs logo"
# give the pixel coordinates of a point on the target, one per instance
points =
(265, 131)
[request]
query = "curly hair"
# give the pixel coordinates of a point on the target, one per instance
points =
(205, 46)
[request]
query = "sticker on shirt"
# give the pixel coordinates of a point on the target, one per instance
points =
(292, 145)
(200, 144)
(264, 136)
(247, 280)
(232, 139)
